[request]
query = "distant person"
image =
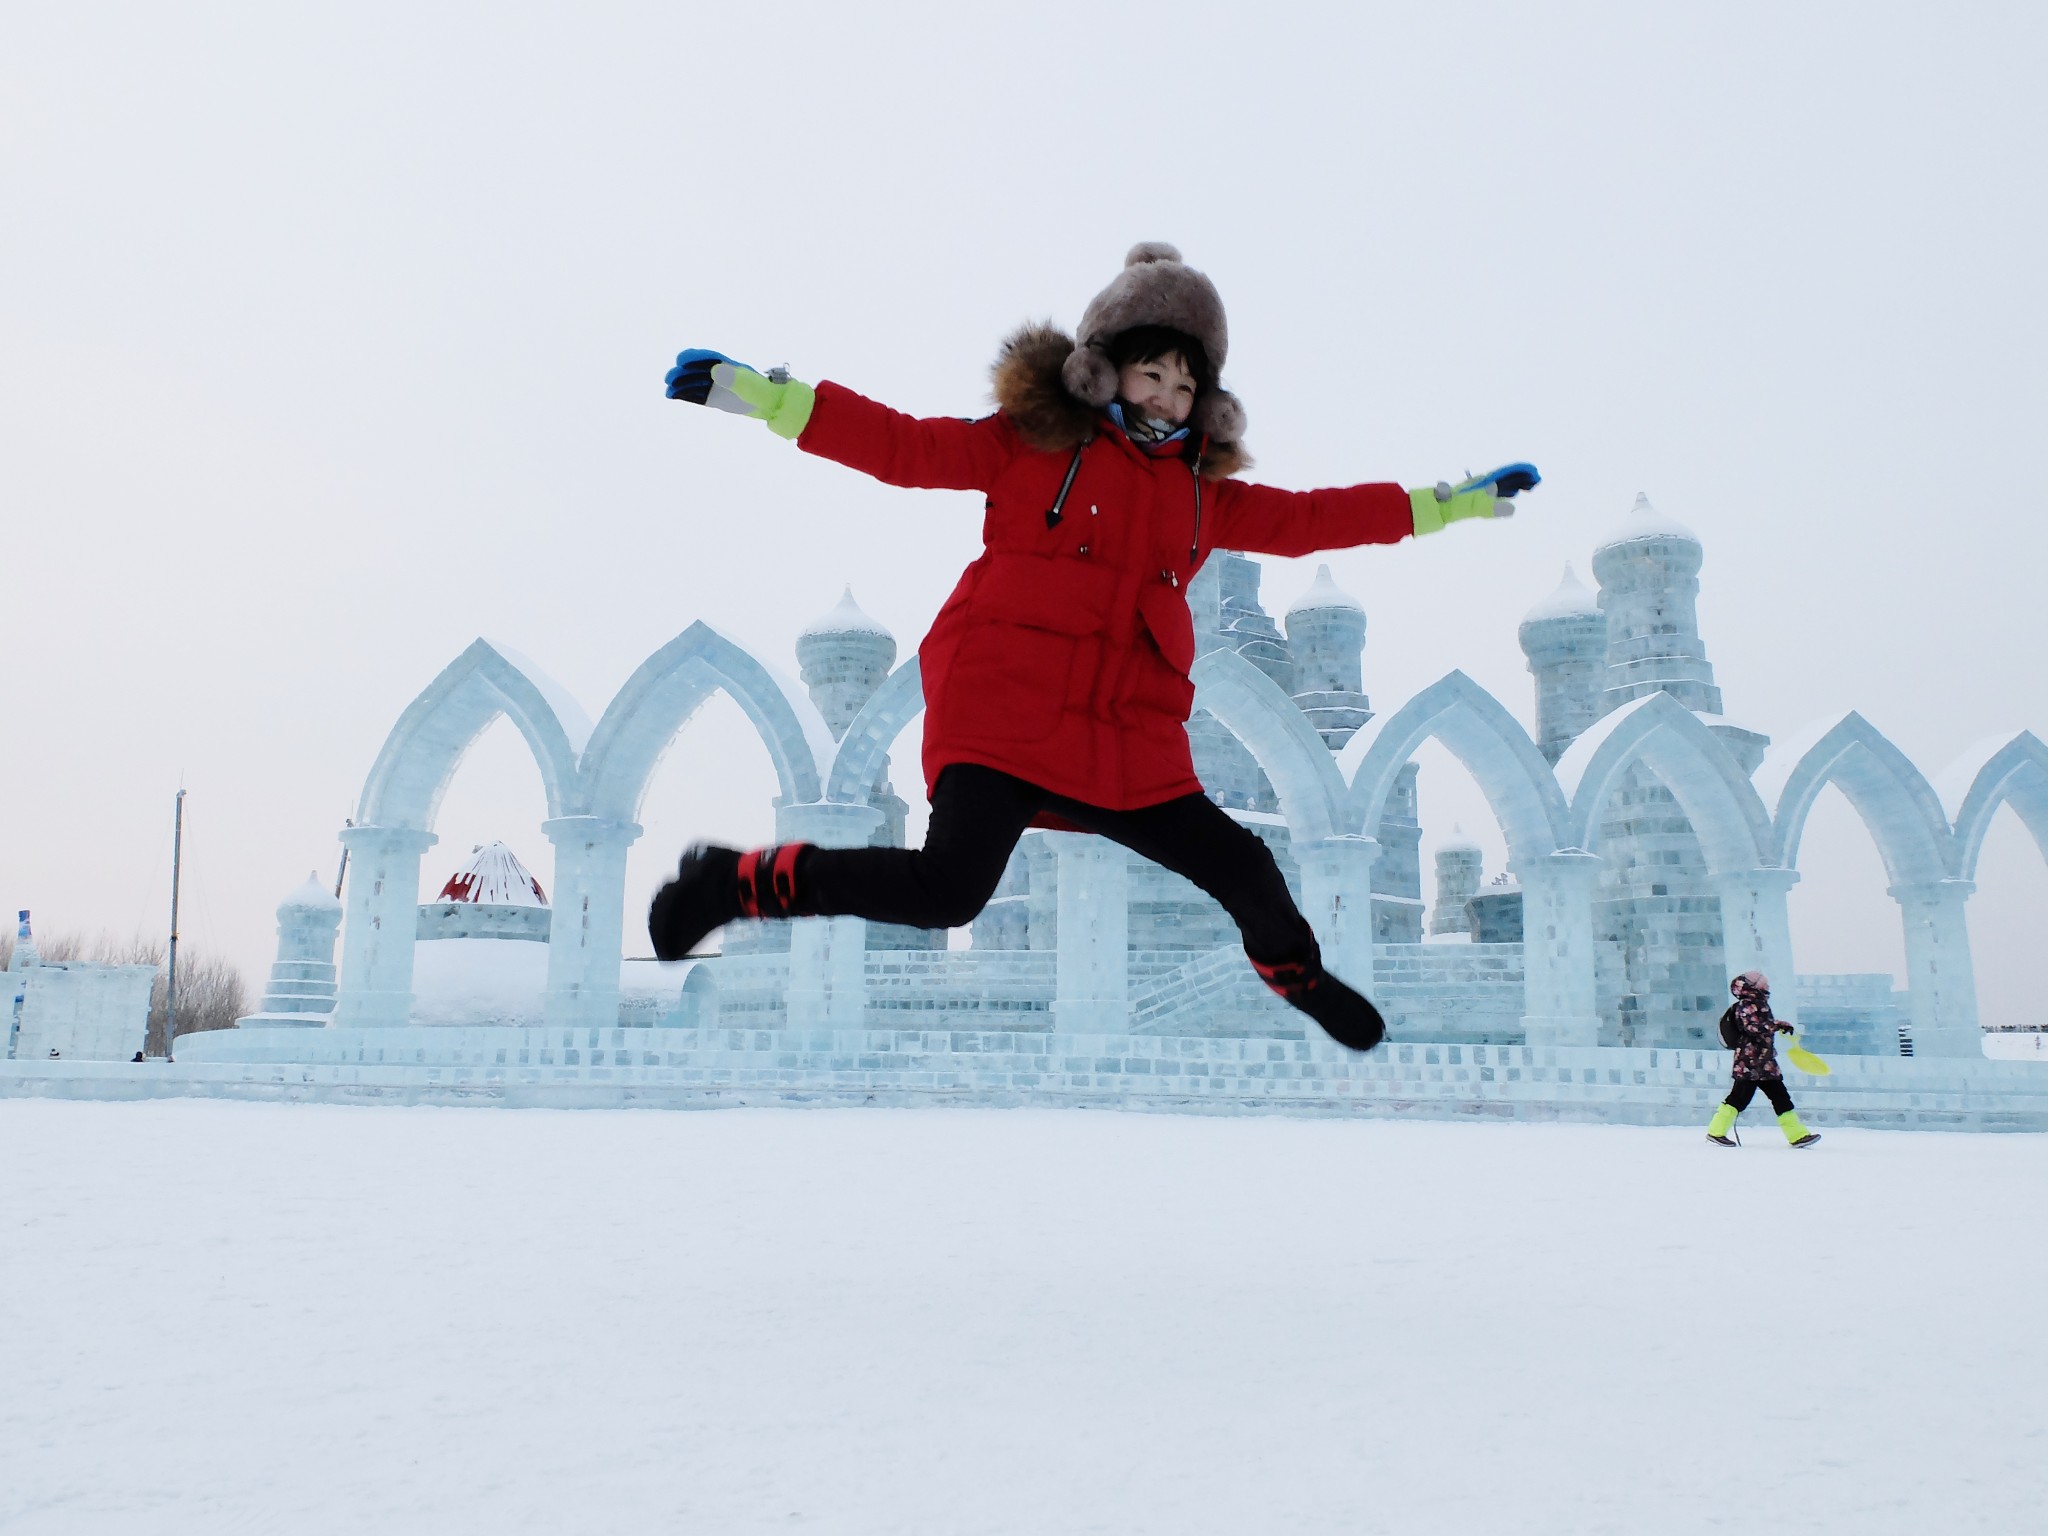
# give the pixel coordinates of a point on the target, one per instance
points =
(1751, 1030)
(1056, 676)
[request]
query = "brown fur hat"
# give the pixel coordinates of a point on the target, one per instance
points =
(1156, 288)
(1030, 388)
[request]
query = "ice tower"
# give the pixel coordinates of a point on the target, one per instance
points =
(1657, 921)
(1565, 639)
(1649, 589)
(302, 981)
(1326, 628)
(843, 657)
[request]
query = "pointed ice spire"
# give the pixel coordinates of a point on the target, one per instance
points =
(1457, 842)
(1571, 598)
(845, 618)
(1646, 522)
(313, 896)
(1324, 592)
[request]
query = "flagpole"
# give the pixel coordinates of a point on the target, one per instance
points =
(171, 983)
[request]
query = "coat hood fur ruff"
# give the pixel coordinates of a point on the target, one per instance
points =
(1053, 390)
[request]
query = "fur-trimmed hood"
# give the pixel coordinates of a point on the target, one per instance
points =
(1031, 391)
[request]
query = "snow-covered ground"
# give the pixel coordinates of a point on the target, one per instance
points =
(223, 1317)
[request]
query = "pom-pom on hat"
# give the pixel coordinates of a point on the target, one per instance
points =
(1155, 288)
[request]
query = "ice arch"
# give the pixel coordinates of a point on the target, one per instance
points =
(1911, 828)
(1277, 734)
(1557, 879)
(420, 755)
(2002, 769)
(403, 794)
(1481, 734)
(1896, 802)
(1724, 808)
(667, 689)
(873, 732)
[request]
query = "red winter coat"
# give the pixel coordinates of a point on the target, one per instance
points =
(1062, 656)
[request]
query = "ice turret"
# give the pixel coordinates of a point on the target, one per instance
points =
(302, 981)
(1326, 631)
(1458, 868)
(843, 658)
(1649, 588)
(1565, 638)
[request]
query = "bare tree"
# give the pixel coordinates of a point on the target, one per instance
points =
(211, 995)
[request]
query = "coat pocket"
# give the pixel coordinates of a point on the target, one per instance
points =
(1007, 682)
(1154, 686)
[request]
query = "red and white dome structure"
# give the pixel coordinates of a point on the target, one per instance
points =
(494, 877)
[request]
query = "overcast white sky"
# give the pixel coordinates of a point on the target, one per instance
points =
(332, 337)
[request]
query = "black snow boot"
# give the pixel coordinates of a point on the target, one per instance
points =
(704, 896)
(714, 885)
(1346, 1017)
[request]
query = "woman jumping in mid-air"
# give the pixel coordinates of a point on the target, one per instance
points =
(1056, 676)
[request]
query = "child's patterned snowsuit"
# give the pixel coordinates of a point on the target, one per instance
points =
(1756, 1057)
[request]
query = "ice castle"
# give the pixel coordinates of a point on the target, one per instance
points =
(1651, 845)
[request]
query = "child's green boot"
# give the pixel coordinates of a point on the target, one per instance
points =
(1795, 1132)
(1722, 1123)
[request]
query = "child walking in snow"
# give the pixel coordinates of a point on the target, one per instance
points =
(1756, 1063)
(1056, 675)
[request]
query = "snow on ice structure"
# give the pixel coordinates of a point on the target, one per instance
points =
(1651, 846)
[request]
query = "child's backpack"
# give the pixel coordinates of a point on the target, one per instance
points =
(1731, 1032)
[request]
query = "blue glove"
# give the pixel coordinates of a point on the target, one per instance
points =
(691, 380)
(1508, 481)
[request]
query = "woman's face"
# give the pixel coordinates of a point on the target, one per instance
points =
(1163, 388)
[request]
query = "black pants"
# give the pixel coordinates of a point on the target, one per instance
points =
(1745, 1090)
(979, 813)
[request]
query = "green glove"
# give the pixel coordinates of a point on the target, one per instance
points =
(784, 403)
(1436, 505)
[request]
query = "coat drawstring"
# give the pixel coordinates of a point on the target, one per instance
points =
(1195, 549)
(1054, 512)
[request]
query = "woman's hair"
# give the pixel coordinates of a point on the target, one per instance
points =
(1148, 343)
